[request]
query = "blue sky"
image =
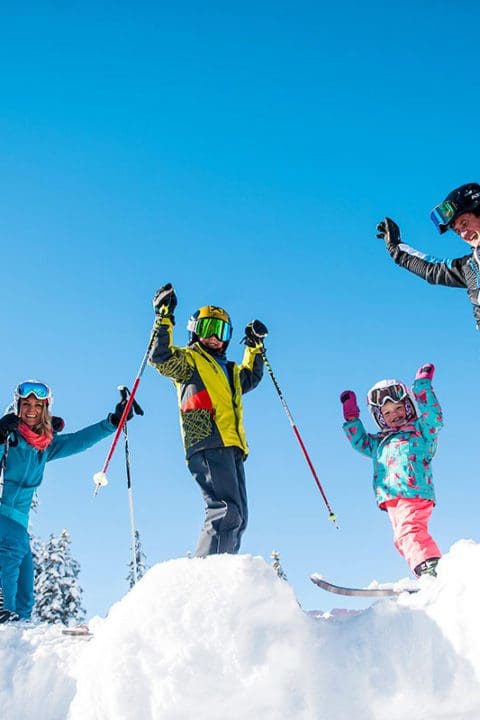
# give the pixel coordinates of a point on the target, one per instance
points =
(243, 152)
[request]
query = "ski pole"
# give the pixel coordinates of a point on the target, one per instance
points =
(331, 515)
(3, 463)
(124, 392)
(100, 477)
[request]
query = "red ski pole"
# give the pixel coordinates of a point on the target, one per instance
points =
(331, 515)
(100, 478)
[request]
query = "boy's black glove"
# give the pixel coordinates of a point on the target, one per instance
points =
(117, 414)
(165, 301)
(389, 231)
(58, 424)
(8, 424)
(255, 334)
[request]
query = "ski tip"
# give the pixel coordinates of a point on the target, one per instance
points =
(78, 631)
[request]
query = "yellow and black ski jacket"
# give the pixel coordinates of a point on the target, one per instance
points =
(211, 411)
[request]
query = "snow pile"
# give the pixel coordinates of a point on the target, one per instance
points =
(225, 638)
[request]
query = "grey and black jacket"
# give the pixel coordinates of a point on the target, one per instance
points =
(462, 272)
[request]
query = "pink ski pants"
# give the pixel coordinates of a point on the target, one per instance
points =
(409, 518)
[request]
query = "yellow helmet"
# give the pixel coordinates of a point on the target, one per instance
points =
(210, 320)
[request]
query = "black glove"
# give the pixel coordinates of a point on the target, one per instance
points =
(255, 334)
(58, 424)
(389, 231)
(117, 414)
(8, 424)
(165, 301)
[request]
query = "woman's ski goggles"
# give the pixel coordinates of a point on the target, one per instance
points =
(379, 396)
(40, 390)
(209, 327)
(443, 215)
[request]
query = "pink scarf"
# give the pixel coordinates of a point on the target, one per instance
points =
(41, 442)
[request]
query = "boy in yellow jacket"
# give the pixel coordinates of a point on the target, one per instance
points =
(210, 390)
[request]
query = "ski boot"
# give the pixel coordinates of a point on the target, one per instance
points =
(427, 567)
(8, 616)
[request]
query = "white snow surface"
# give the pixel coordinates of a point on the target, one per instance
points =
(224, 638)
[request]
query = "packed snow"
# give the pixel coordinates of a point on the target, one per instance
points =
(224, 637)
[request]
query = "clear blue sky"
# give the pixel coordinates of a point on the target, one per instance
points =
(244, 152)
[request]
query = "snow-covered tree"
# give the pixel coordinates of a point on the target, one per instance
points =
(277, 565)
(38, 548)
(58, 595)
(140, 558)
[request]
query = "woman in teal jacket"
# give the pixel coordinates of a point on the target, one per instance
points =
(29, 439)
(402, 453)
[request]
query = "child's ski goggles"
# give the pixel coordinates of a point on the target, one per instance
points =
(443, 215)
(209, 327)
(40, 390)
(379, 396)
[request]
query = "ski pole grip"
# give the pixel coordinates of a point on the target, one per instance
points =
(125, 392)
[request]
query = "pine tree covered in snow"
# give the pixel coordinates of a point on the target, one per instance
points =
(140, 558)
(277, 565)
(58, 595)
(37, 547)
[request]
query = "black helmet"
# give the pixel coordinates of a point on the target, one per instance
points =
(461, 200)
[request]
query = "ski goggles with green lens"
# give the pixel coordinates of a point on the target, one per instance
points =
(379, 396)
(443, 215)
(40, 390)
(208, 327)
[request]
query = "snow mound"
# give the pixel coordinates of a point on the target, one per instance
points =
(224, 637)
(206, 638)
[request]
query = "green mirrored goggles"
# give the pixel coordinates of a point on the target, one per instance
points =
(209, 327)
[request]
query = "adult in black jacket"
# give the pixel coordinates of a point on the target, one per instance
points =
(460, 212)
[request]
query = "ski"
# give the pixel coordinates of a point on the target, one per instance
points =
(78, 631)
(359, 592)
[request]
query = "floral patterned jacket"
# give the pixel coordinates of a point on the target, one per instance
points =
(402, 457)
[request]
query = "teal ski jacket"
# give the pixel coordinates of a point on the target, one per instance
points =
(402, 457)
(25, 466)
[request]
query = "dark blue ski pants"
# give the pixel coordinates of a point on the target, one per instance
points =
(220, 475)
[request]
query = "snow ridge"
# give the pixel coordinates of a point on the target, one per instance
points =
(225, 637)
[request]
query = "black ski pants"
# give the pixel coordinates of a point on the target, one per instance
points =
(220, 475)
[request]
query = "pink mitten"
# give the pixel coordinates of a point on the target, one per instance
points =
(425, 372)
(350, 407)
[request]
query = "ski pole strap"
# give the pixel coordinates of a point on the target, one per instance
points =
(331, 514)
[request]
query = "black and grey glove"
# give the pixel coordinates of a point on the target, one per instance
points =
(8, 424)
(389, 231)
(255, 334)
(165, 301)
(58, 424)
(115, 417)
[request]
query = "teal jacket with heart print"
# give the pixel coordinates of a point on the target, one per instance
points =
(402, 457)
